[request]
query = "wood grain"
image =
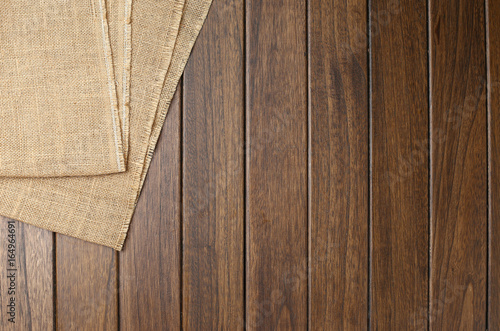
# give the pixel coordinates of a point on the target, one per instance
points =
(339, 165)
(400, 156)
(277, 249)
(494, 165)
(213, 174)
(459, 165)
(150, 274)
(87, 294)
(34, 277)
(305, 179)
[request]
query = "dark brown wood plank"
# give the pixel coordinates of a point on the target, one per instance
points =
(150, 283)
(31, 283)
(400, 156)
(458, 165)
(213, 174)
(339, 164)
(87, 296)
(277, 237)
(494, 165)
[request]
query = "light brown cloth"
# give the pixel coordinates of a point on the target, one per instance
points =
(99, 208)
(58, 103)
(119, 22)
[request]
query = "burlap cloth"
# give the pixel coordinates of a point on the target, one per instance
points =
(58, 104)
(149, 44)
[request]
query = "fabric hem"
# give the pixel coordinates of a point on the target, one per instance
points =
(112, 89)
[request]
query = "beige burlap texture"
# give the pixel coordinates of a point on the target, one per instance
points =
(58, 103)
(119, 14)
(99, 208)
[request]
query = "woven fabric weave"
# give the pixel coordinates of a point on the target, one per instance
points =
(99, 208)
(58, 104)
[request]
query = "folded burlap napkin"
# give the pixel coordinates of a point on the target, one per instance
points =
(149, 44)
(58, 102)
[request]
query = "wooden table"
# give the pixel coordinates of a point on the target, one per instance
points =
(325, 165)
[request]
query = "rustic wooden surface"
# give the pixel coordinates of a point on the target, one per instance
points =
(459, 189)
(325, 165)
(339, 165)
(400, 129)
(276, 178)
(213, 202)
(493, 103)
(150, 271)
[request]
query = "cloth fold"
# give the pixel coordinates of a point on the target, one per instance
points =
(150, 42)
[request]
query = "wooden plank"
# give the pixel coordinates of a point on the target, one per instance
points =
(87, 296)
(31, 283)
(150, 283)
(339, 164)
(277, 237)
(458, 165)
(494, 165)
(400, 154)
(213, 174)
